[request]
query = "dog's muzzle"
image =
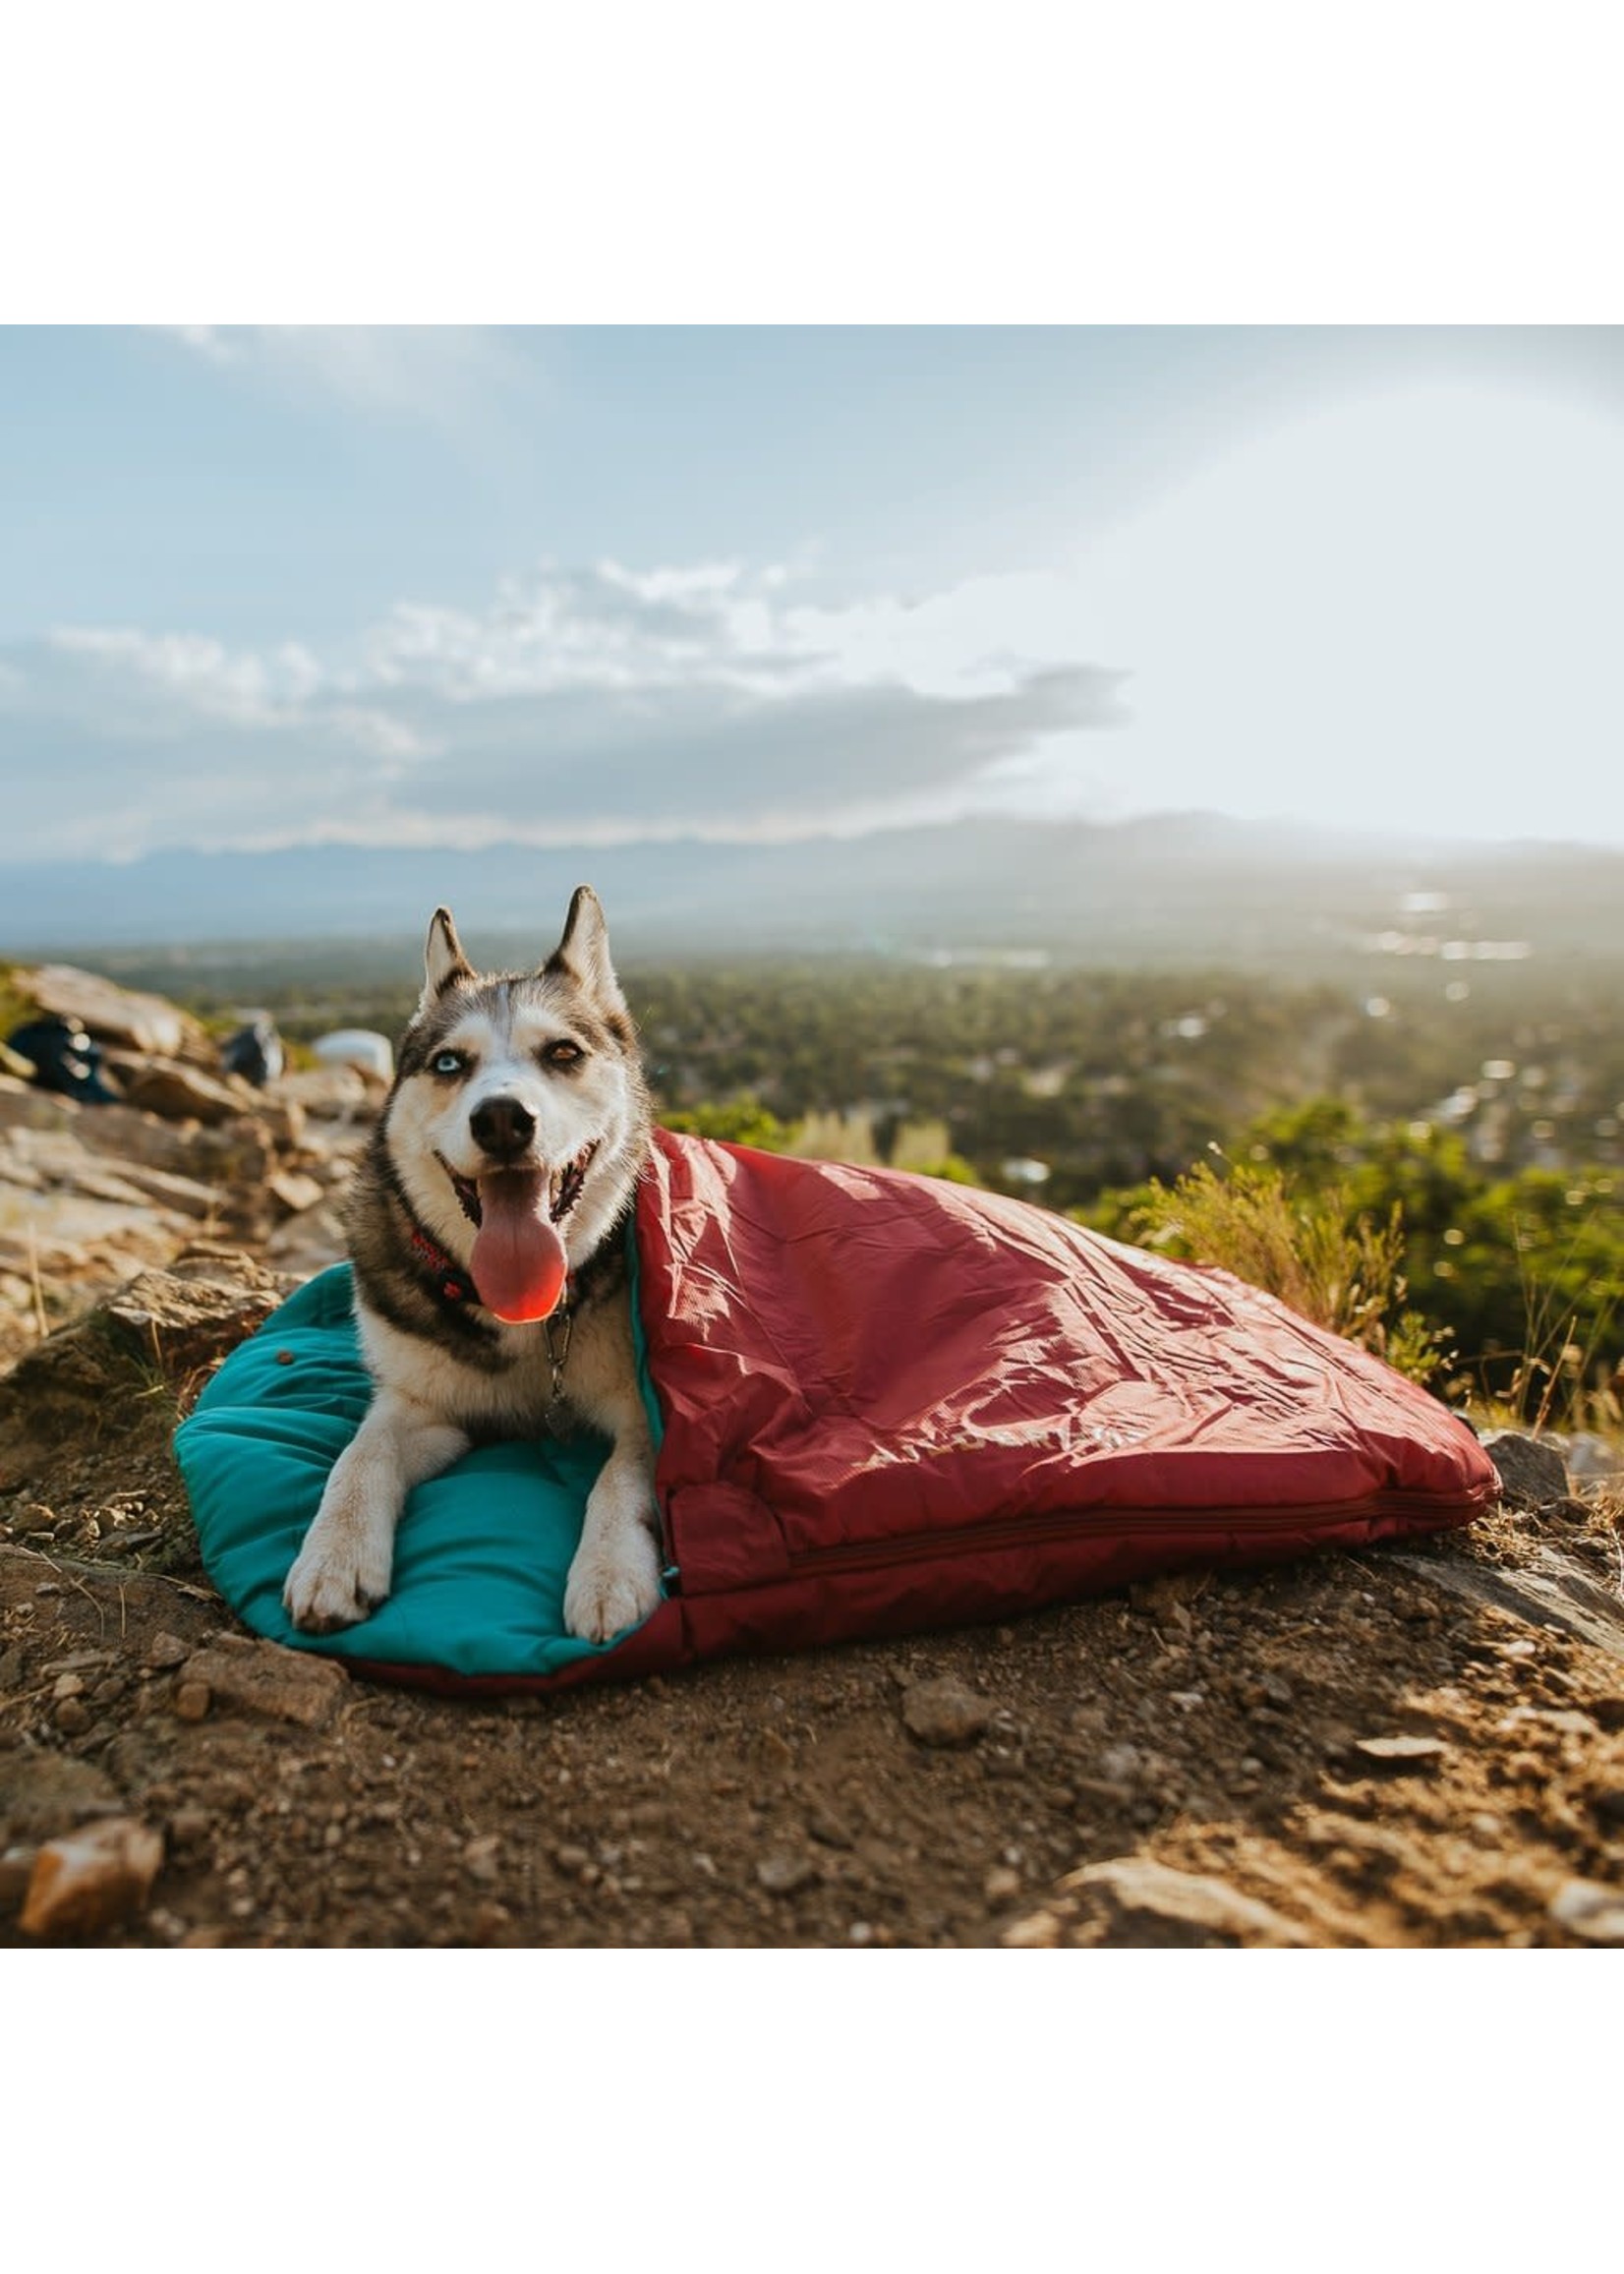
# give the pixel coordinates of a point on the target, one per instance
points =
(563, 1185)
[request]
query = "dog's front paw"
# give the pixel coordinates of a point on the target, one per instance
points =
(611, 1585)
(340, 1577)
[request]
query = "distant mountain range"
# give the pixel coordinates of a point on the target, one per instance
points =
(1196, 887)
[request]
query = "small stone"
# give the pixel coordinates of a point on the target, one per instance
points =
(1585, 1908)
(787, 1874)
(33, 1516)
(1166, 1597)
(1001, 1884)
(187, 1827)
(167, 1650)
(72, 1717)
(261, 1677)
(1403, 1753)
(479, 1858)
(1531, 1475)
(92, 1878)
(1136, 1885)
(571, 1860)
(1038, 1931)
(192, 1701)
(774, 1750)
(68, 1686)
(294, 1191)
(943, 1712)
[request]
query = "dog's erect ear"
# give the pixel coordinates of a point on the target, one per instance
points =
(583, 953)
(442, 959)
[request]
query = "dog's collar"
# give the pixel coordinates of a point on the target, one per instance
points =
(451, 1281)
(451, 1285)
(446, 1278)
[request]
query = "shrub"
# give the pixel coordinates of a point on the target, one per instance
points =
(1341, 1269)
(742, 1121)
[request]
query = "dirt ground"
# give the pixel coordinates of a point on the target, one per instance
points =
(1404, 1748)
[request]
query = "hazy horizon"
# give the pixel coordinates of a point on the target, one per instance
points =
(1201, 891)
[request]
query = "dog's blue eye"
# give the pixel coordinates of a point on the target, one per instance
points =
(446, 1062)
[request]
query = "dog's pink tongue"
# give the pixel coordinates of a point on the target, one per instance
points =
(519, 1263)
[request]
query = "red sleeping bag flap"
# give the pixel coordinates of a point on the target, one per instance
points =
(893, 1403)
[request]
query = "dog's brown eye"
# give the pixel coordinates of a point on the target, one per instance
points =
(563, 1054)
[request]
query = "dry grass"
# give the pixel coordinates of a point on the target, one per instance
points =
(1590, 1531)
(1346, 1275)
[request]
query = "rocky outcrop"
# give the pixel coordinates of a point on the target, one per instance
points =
(115, 1016)
(182, 1092)
(163, 1327)
(92, 1194)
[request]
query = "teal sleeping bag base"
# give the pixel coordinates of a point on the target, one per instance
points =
(480, 1553)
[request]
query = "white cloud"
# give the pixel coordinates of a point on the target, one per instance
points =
(205, 340)
(604, 627)
(195, 678)
(723, 624)
(200, 674)
(606, 701)
(451, 376)
(1396, 612)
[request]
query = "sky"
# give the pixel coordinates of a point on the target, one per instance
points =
(449, 586)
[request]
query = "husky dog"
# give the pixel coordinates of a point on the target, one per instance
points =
(486, 1229)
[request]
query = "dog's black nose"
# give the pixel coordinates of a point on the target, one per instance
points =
(503, 1127)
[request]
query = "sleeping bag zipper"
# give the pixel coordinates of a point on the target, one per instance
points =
(1131, 1523)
